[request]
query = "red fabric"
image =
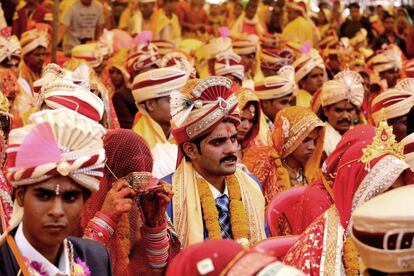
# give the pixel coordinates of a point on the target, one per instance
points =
(276, 246)
(23, 23)
(316, 199)
(349, 176)
(285, 205)
(126, 152)
(77, 105)
(220, 252)
(212, 93)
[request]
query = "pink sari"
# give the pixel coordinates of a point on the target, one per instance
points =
(319, 250)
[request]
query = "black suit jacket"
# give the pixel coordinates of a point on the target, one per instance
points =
(94, 254)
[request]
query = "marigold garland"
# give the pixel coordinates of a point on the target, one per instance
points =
(282, 173)
(350, 258)
(238, 217)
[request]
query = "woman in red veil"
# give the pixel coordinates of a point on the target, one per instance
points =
(366, 169)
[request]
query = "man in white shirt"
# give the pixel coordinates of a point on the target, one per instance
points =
(81, 22)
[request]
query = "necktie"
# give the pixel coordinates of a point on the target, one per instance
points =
(222, 204)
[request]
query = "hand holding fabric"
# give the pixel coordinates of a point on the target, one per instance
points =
(154, 202)
(118, 201)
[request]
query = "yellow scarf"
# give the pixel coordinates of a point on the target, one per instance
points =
(159, 21)
(264, 133)
(303, 98)
(186, 204)
(150, 130)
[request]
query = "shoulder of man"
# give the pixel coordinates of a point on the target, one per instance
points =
(94, 254)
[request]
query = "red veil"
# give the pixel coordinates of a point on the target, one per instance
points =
(126, 152)
(317, 198)
(319, 250)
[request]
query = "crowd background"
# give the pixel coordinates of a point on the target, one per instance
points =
(215, 112)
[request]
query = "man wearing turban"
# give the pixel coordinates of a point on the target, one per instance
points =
(207, 184)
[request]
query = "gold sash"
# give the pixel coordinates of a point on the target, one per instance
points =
(186, 204)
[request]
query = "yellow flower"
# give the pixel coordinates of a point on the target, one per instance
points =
(238, 217)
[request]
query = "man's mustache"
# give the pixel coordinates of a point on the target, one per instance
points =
(344, 121)
(230, 157)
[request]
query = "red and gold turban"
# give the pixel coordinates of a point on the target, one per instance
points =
(229, 64)
(386, 59)
(201, 105)
(164, 46)
(57, 142)
(277, 86)
(408, 144)
(305, 63)
(9, 45)
(141, 57)
(396, 102)
(245, 45)
(158, 83)
(32, 39)
(346, 85)
(179, 60)
(91, 53)
(273, 58)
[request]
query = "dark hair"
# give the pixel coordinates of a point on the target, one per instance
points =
(197, 141)
(386, 16)
(410, 121)
(354, 5)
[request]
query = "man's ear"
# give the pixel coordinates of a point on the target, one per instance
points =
(19, 193)
(150, 105)
(325, 110)
(302, 83)
(191, 150)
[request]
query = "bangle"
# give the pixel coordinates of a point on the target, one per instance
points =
(156, 241)
(100, 228)
(105, 218)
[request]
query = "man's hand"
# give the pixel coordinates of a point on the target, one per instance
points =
(118, 200)
(154, 203)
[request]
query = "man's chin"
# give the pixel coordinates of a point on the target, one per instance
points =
(229, 170)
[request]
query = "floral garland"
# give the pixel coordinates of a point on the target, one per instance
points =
(350, 258)
(77, 267)
(238, 217)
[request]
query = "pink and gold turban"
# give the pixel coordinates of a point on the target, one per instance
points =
(277, 86)
(201, 105)
(346, 85)
(57, 142)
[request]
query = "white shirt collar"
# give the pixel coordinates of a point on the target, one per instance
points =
(28, 251)
(214, 190)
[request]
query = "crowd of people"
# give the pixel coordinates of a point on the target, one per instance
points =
(163, 144)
